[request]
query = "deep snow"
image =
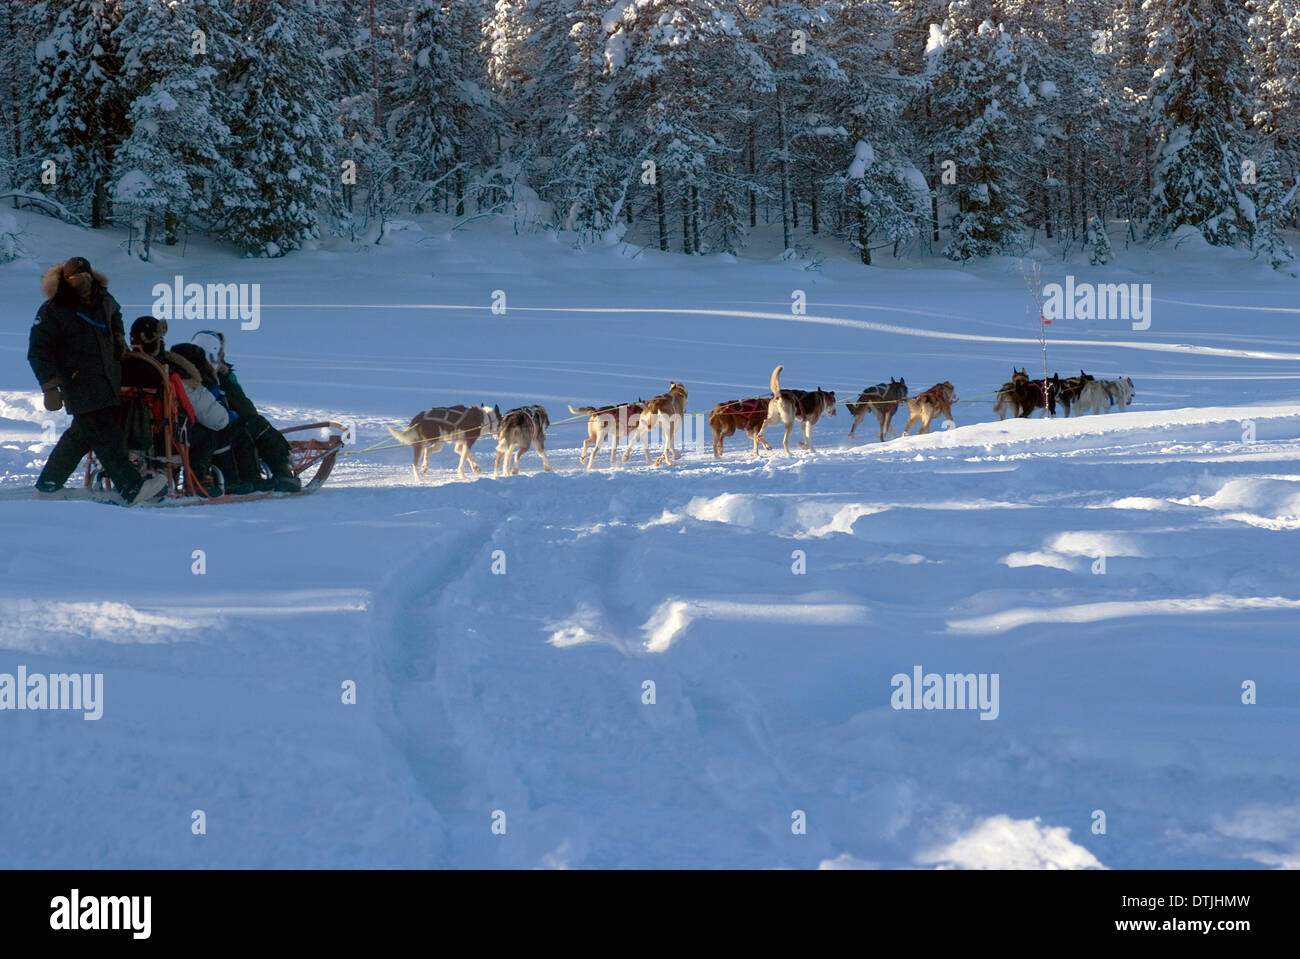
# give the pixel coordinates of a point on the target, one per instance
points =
(968, 550)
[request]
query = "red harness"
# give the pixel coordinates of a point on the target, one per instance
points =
(750, 414)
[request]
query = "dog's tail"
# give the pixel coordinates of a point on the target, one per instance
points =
(407, 436)
(579, 411)
(776, 382)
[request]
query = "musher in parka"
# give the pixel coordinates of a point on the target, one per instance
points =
(272, 447)
(75, 349)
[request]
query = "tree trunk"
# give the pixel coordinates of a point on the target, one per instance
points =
(812, 203)
(753, 175)
(686, 222)
(785, 171)
(1047, 205)
(864, 237)
(934, 194)
(663, 219)
(695, 219)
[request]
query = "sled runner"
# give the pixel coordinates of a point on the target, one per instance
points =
(157, 439)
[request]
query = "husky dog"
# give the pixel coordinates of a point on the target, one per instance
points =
(938, 399)
(1020, 395)
(665, 411)
(881, 399)
(748, 415)
(1107, 393)
(1071, 388)
(802, 406)
(520, 430)
(616, 422)
(459, 425)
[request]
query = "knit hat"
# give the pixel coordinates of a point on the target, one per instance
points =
(78, 264)
(147, 333)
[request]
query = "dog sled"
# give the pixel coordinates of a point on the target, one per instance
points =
(157, 440)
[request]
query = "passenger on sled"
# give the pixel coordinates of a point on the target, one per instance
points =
(220, 437)
(271, 444)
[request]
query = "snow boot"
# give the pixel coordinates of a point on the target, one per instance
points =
(152, 489)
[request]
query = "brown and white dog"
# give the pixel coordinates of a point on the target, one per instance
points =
(748, 415)
(881, 399)
(520, 430)
(1020, 395)
(803, 406)
(924, 407)
(616, 422)
(665, 411)
(459, 425)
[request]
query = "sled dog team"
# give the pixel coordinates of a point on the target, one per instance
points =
(1020, 395)
(519, 430)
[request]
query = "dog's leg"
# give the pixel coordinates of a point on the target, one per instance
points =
(912, 416)
(671, 453)
(467, 445)
(807, 435)
(502, 451)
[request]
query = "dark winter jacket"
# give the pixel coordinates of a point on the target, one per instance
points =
(236, 399)
(78, 344)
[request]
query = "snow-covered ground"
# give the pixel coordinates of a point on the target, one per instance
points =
(1121, 575)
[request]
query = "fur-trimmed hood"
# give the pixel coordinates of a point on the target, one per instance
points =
(53, 279)
(188, 371)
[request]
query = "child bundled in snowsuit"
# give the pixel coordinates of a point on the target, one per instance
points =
(272, 447)
(220, 435)
(75, 350)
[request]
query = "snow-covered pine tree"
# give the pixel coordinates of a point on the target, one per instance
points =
(977, 86)
(80, 115)
(1095, 236)
(1200, 104)
(587, 181)
(1273, 197)
(361, 56)
(164, 171)
(884, 198)
(804, 145)
(16, 45)
(1275, 41)
(669, 71)
(914, 56)
(1129, 170)
(443, 120)
(282, 128)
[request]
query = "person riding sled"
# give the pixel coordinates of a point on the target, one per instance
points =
(75, 349)
(272, 447)
(219, 435)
